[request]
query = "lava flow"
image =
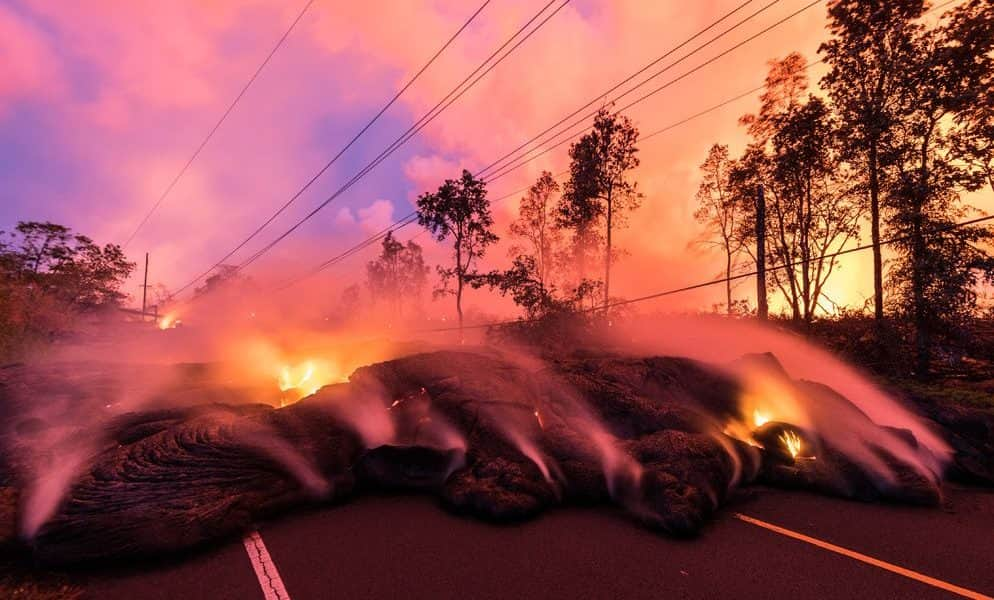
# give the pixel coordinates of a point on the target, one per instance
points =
(298, 382)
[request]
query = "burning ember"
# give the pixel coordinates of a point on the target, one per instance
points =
(538, 417)
(792, 442)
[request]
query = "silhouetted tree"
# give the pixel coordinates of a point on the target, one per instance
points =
(937, 269)
(398, 274)
(600, 186)
(524, 284)
(529, 281)
(459, 211)
(870, 47)
(784, 89)
(971, 28)
(811, 211)
(351, 300)
(813, 185)
(974, 141)
(536, 225)
(50, 258)
(223, 277)
(719, 209)
(49, 276)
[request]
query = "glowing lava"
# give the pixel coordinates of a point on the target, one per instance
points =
(299, 379)
(759, 418)
(792, 442)
(169, 321)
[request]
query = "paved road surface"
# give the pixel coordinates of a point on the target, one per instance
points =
(406, 547)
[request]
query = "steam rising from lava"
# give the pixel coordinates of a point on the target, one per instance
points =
(256, 355)
(769, 396)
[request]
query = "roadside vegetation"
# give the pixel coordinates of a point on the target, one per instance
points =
(51, 280)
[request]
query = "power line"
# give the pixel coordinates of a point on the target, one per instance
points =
(342, 151)
(410, 217)
(414, 128)
(664, 86)
(420, 124)
(705, 284)
(217, 125)
(404, 221)
(674, 125)
(645, 68)
(399, 224)
(524, 159)
(686, 119)
(656, 61)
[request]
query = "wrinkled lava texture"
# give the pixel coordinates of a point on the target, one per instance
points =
(491, 438)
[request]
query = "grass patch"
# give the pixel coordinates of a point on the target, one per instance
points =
(941, 392)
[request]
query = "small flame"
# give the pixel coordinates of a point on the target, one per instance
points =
(286, 381)
(759, 418)
(538, 417)
(792, 442)
(741, 432)
(304, 384)
(168, 321)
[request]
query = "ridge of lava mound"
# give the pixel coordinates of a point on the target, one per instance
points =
(492, 437)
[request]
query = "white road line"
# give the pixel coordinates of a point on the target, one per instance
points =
(265, 569)
(937, 583)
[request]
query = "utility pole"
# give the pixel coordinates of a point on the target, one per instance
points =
(761, 307)
(145, 288)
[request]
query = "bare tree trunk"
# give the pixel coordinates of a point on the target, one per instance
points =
(607, 257)
(918, 291)
(809, 300)
(542, 271)
(728, 281)
(918, 274)
(580, 251)
(459, 305)
(460, 273)
(878, 270)
(761, 307)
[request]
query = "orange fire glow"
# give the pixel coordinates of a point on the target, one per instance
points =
(168, 321)
(760, 418)
(792, 442)
(299, 382)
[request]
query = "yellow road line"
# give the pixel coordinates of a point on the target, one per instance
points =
(264, 567)
(932, 581)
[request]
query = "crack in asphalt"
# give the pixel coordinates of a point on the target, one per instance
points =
(265, 568)
(261, 566)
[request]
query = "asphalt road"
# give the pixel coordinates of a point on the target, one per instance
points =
(406, 547)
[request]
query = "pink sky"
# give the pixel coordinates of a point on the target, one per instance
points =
(102, 102)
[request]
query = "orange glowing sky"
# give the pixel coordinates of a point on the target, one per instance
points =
(102, 102)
